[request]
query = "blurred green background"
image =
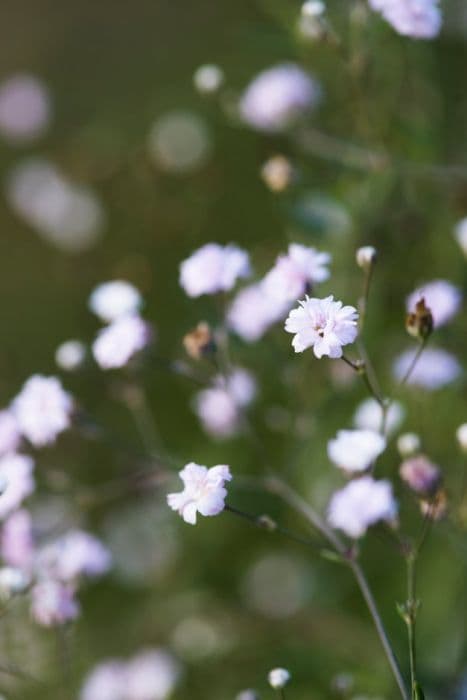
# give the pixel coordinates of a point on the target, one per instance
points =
(232, 602)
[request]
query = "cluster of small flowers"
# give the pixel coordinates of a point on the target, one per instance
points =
(152, 674)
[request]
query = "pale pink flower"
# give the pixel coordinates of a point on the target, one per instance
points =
(420, 19)
(17, 541)
(434, 369)
(253, 312)
(117, 343)
(219, 408)
(16, 480)
(42, 409)
(421, 475)
(361, 503)
(111, 300)
(10, 435)
(107, 681)
(355, 450)
(213, 268)
(75, 554)
(53, 603)
(277, 96)
(24, 108)
(151, 675)
(295, 273)
(442, 298)
(240, 384)
(203, 492)
(323, 324)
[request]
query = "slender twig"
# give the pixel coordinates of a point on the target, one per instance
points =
(360, 368)
(410, 618)
(412, 365)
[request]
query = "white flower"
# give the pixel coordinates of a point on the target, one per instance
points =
(53, 603)
(75, 554)
(461, 435)
(240, 384)
(16, 478)
(278, 677)
(434, 369)
(151, 675)
(369, 416)
(12, 582)
(442, 298)
(323, 324)
(361, 503)
(366, 256)
(117, 343)
(42, 409)
(295, 272)
(355, 450)
(219, 407)
(208, 78)
(24, 108)
(213, 268)
(70, 355)
(460, 234)
(204, 491)
(111, 300)
(277, 96)
(408, 444)
(420, 19)
(10, 435)
(252, 312)
(17, 541)
(105, 682)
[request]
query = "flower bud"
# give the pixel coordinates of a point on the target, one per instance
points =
(419, 323)
(246, 695)
(435, 508)
(366, 257)
(12, 582)
(199, 342)
(460, 234)
(461, 434)
(313, 8)
(277, 173)
(208, 78)
(420, 475)
(278, 677)
(408, 444)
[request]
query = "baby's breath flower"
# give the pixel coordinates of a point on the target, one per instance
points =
(42, 409)
(278, 677)
(70, 355)
(53, 603)
(111, 300)
(213, 268)
(408, 444)
(203, 491)
(461, 434)
(420, 19)
(366, 257)
(296, 272)
(355, 450)
(361, 503)
(420, 475)
(117, 343)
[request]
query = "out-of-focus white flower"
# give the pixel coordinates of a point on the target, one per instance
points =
(323, 324)
(12, 582)
(16, 476)
(247, 694)
(420, 19)
(460, 234)
(75, 554)
(408, 444)
(253, 312)
(203, 491)
(361, 503)
(111, 300)
(420, 474)
(213, 268)
(10, 435)
(461, 435)
(441, 297)
(366, 256)
(117, 343)
(434, 369)
(65, 214)
(70, 355)
(278, 677)
(107, 681)
(179, 142)
(17, 542)
(240, 384)
(295, 273)
(369, 416)
(208, 78)
(53, 603)
(151, 675)
(277, 96)
(313, 8)
(42, 409)
(355, 450)
(219, 407)
(24, 109)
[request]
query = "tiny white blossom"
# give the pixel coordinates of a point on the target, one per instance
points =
(441, 297)
(313, 8)
(420, 19)
(369, 416)
(355, 450)
(25, 108)
(278, 677)
(203, 492)
(361, 503)
(323, 324)
(461, 434)
(42, 409)
(296, 272)
(111, 300)
(151, 675)
(253, 312)
(366, 256)
(70, 355)
(105, 682)
(74, 554)
(219, 407)
(460, 234)
(10, 435)
(208, 78)
(213, 268)
(53, 603)
(117, 343)
(16, 477)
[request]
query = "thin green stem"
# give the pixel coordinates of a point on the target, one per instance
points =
(360, 368)
(412, 365)
(411, 614)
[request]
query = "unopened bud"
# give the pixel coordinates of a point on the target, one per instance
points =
(420, 475)
(408, 444)
(277, 173)
(313, 8)
(247, 695)
(278, 677)
(199, 342)
(461, 434)
(419, 323)
(366, 257)
(208, 78)
(436, 507)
